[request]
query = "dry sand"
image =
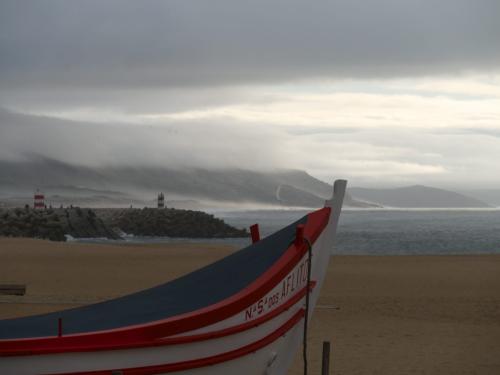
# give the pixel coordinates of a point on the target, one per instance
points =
(383, 315)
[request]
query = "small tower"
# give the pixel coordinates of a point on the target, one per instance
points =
(39, 200)
(161, 200)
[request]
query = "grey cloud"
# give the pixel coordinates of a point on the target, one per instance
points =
(368, 157)
(130, 101)
(207, 144)
(120, 45)
(495, 133)
(321, 130)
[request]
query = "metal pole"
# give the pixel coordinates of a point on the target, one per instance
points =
(325, 364)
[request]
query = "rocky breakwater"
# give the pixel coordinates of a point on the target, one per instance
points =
(55, 224)
(168, 222)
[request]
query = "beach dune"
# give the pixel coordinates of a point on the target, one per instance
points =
(382, 314)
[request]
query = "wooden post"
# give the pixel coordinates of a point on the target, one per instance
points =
(254, 231)
(325, 364)
(299, 235)
(59, 327)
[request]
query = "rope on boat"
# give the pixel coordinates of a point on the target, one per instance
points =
(304, 339)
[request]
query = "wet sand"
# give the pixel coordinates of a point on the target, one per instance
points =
(383, 315)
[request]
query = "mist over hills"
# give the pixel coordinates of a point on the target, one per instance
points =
(198, 188)
(417, 196)
(489, 196)
(117, 186)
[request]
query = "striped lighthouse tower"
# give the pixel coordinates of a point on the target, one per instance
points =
(161, 200)
(39, 200)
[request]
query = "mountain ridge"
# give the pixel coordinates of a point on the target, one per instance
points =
(417, 196)
(139, 185)
(203, 188)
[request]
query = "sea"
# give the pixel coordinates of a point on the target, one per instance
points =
(377, 231)
(396, 231)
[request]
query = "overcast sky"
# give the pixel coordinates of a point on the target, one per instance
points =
(384, 93)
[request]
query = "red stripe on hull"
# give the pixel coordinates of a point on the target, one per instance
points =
(179, 339)
(207, 361)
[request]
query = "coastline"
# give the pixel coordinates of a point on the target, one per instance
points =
(383, 314)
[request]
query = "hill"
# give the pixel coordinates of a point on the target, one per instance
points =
(489, 196)
(416, 196)
(122, 186)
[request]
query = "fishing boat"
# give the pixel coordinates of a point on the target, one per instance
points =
(244, 314)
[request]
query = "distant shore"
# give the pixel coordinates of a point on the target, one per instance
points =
(383, 314)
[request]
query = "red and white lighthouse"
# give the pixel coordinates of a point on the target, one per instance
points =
(39, 200)
(161, 200)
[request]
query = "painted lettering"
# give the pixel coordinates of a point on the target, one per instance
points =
(290, 284)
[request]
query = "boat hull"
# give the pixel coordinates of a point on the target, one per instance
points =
(260, 338)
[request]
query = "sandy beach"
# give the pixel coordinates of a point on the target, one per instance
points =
(382, 314)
